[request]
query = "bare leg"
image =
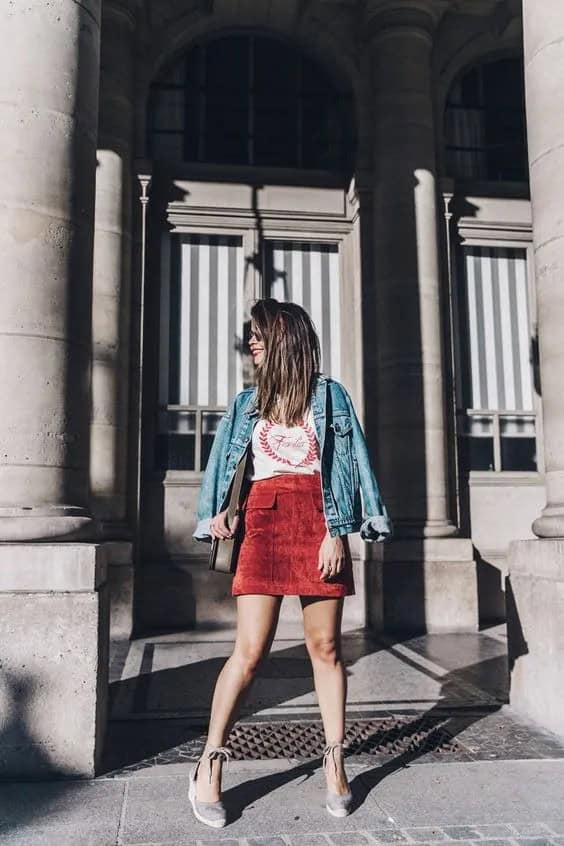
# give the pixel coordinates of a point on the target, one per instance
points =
(322, 629)
(257, 619)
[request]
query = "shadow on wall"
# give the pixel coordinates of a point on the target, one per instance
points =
(517, 643)
(491, 593)
(25, 758)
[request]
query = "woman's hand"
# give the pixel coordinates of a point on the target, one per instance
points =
(331, 557)
(219, 528)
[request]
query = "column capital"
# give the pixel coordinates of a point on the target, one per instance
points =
(383, 17)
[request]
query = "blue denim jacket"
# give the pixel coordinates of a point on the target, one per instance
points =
(345, 464)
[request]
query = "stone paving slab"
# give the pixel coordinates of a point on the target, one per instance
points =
(61, 813)
(500, 803)
(267, 803)
(464, 794)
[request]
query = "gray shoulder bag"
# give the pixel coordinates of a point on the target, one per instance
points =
(224, 551)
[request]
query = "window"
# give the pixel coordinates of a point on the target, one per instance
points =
(485, 126)
(496, 408)
(201, 347)
(249, 100)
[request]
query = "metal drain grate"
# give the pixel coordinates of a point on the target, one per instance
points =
(384, 736)
(382, 739)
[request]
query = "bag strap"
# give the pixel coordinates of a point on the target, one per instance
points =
(235, 496)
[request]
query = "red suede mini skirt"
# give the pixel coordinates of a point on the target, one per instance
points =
(283, 527)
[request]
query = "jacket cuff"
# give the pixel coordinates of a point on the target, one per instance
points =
(378, 528)
(202, 531)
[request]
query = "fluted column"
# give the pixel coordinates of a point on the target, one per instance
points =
(112, 271)
(49, 69)
(413, 459)
(544, 76)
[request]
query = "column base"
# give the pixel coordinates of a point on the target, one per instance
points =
(47, 523)
(54, 624)
(550, 524)
(425, 585)
(535, 628)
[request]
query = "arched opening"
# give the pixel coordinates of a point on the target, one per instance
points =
(485, 127)
(250, 100)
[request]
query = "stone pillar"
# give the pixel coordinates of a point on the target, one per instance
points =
(426, 563)
(48, 124)
(53, 599)
(112, 272)
(111, 305)
(535, 586)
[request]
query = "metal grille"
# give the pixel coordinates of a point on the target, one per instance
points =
(386, 736)
(378, 741)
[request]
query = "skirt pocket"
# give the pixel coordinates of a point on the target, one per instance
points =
(259, 513)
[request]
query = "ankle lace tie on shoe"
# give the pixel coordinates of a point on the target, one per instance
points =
(329, 751)
(217, 753)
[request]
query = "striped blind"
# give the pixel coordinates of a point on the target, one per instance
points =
(308, 274)
(497, 371)
(202, 322)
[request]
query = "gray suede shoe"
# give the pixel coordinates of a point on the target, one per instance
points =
(338, 804)
(210, 813)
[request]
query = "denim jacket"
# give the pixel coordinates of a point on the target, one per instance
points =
(345, 464)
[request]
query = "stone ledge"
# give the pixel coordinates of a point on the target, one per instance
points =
(540, 558)
(451, 550)
(47, 568)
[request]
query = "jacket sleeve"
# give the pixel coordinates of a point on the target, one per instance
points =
(208, 498)
(376, 522)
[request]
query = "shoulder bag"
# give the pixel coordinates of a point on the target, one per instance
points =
(224, 551)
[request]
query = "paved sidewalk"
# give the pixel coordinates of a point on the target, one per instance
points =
(506, 803)
(494, 781)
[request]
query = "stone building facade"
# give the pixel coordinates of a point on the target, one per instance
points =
(163, 164)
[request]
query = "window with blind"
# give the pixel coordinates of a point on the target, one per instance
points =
(495, 385)
(203, 343)
(201, 346)
(308, 274)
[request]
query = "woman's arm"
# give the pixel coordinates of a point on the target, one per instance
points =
(376, 524)
(208, 499)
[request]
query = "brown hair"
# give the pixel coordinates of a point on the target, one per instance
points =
(291, 360)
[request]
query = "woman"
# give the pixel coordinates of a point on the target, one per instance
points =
(307, 465)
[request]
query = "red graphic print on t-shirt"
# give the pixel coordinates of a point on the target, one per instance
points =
(298, 448)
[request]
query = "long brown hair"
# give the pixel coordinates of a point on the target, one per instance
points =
(285, 378)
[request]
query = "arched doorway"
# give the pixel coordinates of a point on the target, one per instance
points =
(253, 148)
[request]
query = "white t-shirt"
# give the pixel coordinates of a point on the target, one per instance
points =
(284, 449)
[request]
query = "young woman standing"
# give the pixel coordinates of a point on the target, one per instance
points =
(308, 466)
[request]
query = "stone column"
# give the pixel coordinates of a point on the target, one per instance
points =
(413, 460)
(111, 306)
(53, 596)
(112, 271)
(48, 124)
(535, 586)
